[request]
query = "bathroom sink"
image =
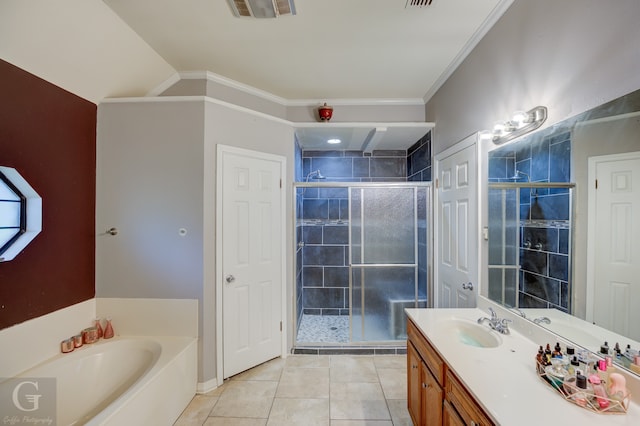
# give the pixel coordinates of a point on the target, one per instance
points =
(470, 333)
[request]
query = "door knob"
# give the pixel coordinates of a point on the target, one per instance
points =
(467, 286)
(230, 278)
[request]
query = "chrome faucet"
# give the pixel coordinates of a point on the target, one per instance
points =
(542, 320)
(519, 312)
(501, 325)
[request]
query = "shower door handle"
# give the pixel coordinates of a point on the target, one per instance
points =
(467, 286)
(229, 279)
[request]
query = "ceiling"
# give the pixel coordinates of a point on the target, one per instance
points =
(331, 49)
(359, 51)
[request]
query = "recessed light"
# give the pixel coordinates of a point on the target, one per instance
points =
(334, 141)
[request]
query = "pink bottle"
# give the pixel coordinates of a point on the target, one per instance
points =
(108, 329)
(598, 389)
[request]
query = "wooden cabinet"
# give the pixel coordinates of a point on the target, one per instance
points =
(425, 393)
(463, 402)
(449, 415)
(435, 395)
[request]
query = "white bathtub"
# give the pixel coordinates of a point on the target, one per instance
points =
(123, 381)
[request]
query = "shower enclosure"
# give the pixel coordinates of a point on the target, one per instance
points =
(530, 227)
(362, 257)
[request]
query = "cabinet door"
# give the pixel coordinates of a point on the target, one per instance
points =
(464, 403)
(414, 384)
(449, 416)
(432, 395)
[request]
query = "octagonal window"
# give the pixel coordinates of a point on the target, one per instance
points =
(20, 213)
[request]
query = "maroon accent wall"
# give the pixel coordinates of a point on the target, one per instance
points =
(49, 136)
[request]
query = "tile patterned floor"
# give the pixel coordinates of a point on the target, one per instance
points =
(323, 329)
(309, 390)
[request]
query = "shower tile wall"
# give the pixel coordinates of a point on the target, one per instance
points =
(544, 215)
(322, 274)
(357, 166)
(419, 160)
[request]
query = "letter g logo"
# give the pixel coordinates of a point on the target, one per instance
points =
(32, 398)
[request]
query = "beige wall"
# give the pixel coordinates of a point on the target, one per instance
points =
(81, 46)
(156, 170)
(568, 55)
(591, 140)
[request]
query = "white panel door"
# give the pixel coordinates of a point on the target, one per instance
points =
(457, 265)
(616, 244)
(252, 273)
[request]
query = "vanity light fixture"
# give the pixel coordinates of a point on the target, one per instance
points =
(334, 141)
(520, 124)
(262, 8)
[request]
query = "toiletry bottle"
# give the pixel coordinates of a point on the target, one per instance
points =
(557, 351)
(573, 366)
(99, 328)
(602, 371)
(547, 355)
(604, 349)
(616, 350)
(580, 396)
(598, 389)
(540, 360)
(108, 329)
(635, 367)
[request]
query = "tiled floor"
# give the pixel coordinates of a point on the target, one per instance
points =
(309, 390)
(323, 329)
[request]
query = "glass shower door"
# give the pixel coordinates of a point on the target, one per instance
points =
(383, 260)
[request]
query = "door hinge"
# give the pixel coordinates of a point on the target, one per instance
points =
(437, 183)
(280, 325)
(596, 183)
(280, 183)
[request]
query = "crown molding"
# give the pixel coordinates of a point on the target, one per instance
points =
(217, 78)
(488, 23)
(169, 99)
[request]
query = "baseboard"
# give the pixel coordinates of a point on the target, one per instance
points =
(208, 386)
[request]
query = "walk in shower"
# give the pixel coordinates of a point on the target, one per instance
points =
(361, 258)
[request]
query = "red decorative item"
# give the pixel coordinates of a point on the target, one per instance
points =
(108, 330)
(99, 328)
(325, 112)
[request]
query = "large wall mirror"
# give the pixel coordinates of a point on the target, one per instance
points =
(563, 227)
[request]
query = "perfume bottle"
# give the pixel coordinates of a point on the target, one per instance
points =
(99, 328)
(108, 329)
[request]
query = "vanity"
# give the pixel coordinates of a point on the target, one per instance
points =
(436, 395)
(460, 372)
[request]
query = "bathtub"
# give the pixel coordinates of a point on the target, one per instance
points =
(123, 381)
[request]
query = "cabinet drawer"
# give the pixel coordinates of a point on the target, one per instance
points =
(426, 351)
(464, 403)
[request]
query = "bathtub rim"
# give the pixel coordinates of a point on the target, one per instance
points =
(171, 347)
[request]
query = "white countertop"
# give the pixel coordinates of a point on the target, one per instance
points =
(503, 379)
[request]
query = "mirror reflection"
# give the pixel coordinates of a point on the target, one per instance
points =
(564, 231)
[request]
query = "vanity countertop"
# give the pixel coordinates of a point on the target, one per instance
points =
(503, 378)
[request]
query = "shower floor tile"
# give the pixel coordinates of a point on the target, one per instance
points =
(323, 329)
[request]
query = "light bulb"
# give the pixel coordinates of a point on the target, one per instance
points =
(520, 118)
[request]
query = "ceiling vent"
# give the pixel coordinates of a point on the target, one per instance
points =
(418, 3)
(262, 8)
